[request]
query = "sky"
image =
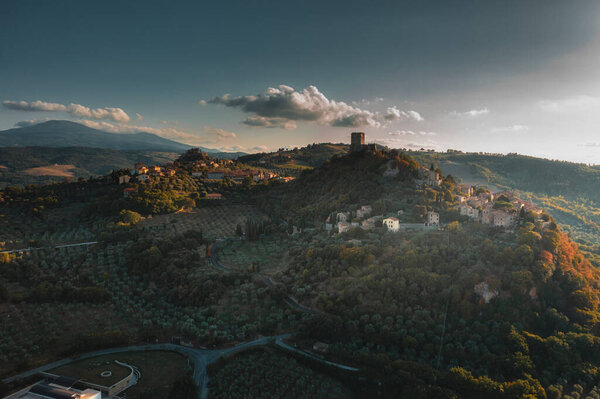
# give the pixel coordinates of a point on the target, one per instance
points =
(495, 76)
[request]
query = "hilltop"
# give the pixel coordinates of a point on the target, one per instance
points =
(294, 161)
(568, 191)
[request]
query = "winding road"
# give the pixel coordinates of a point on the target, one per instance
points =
(201, 358)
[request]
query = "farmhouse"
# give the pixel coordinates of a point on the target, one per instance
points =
(392, 224)
(214, 196)
(342, 217)
(433, 218)
(469, 211)
(143, 178)
(124, 179)
(503, 219)
(343, 227)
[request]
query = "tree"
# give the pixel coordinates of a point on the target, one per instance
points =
(129, 217)
(184, 388)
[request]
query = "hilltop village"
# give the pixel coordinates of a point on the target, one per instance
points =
(501, 209)
(199, 165)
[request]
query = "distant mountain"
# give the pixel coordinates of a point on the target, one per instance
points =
(70, 134)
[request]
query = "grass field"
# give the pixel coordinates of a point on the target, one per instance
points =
(159, 369)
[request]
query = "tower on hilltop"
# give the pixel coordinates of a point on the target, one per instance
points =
(357, 141)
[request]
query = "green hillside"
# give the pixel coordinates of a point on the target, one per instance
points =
(569, 191)
(86, 161)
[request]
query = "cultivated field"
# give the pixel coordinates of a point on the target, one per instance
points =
(214, 221)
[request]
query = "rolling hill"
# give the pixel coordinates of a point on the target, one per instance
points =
(42, 165)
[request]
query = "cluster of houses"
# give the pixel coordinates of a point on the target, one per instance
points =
(484, 207)
(239, 175)
(341, 222)
(428, 177)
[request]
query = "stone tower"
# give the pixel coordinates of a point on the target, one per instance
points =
(357, 141)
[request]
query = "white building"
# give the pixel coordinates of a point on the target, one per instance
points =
(342, 216)
(343, 227)
(503, 219)
(124, 179)
(54, 390)
(433, 218)
(471, 212)
(392, 224)
(143, 178)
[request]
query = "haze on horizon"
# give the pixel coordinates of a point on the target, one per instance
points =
(511, 76)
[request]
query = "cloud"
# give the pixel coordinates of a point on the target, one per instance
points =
(398, 142)
(411, 133)
(202, 102)
(219, 134)
(34, 106)
(77, 110)
(394, 114)
(575, 103)
(139, 117)
(30, 122)
(471, 113)
(309, 105)
(113, 114)
(589, 144)
(261, 121)
(512, 128)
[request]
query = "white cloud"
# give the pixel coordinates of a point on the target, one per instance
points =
(411, 133)
(589, 144)
(576, 103)
(394, 114)
(30, 122)
(471, 113)
(202, 102)
(78, 110)
(512, 128)
(34, 106)
(139, 117)
(308, 105)
(219, 134)
(113, 114)
(397, 142)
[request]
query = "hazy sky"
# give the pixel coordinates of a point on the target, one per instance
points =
(497, 76)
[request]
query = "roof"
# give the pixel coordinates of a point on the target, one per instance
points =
(214, 195)
(392, 218)
(47, 391)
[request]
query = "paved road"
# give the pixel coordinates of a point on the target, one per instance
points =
(293, 302)
(199, 357)
(78, 244)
